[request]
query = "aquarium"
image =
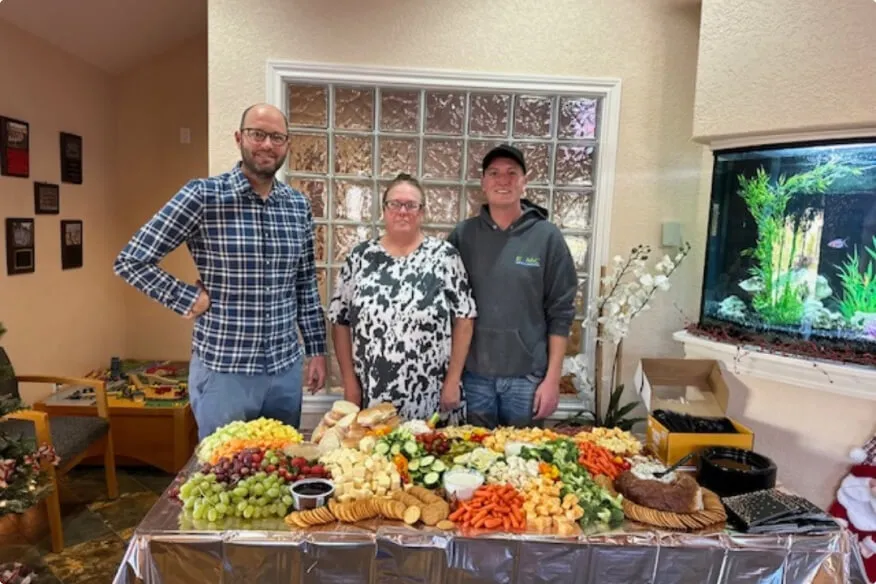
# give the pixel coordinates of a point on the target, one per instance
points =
(791, 250)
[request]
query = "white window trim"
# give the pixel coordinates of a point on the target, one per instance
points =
(608, 90)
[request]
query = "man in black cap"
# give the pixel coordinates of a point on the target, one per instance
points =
(524, 283)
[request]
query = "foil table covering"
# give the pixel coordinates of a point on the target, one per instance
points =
(164, 550)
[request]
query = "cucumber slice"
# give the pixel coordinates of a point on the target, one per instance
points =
(411, 447)
(396, 448)
(381, 448)
(431, 479)
(413, 465)
(439, 466)
(427, 460)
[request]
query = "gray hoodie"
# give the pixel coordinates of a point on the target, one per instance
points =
(524, 285)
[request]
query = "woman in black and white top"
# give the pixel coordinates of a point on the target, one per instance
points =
(402, 314)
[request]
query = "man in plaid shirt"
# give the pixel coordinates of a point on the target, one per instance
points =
(251, 238)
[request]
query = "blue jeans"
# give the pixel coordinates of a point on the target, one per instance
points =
(500, 401)
(220, 398)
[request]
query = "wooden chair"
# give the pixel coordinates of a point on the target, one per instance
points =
(71, 436)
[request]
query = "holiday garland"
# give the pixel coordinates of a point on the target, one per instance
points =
(23, 479)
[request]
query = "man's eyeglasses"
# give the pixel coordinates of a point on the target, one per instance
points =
(411, 206)
(256, 135)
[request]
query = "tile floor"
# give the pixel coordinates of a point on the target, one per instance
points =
(96, 529)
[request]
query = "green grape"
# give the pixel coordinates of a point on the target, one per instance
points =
(287, 500)
(224, 498)
(198, 513)
(212, 516)
(248, 512)
(258, 489)
(273, 493)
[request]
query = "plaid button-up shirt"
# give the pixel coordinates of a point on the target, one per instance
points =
(256, 261)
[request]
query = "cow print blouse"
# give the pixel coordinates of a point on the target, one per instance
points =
(400, 311)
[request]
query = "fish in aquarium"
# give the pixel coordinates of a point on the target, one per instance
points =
(792, 242)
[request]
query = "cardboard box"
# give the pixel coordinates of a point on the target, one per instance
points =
(699, 387)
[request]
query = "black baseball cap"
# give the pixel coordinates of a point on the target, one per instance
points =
(504, 151)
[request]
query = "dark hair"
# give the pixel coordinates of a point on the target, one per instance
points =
(403, 177)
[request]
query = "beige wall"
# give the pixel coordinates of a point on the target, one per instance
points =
(808, 433)
(154, 101)
(68, 322)
(651, 45)
(60, 322)
(778, 66)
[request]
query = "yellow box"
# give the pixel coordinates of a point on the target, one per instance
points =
(699, 387)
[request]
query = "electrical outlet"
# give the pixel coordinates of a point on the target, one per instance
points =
(185, 136)
(671, 234)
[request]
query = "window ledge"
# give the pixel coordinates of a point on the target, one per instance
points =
(842, 379)
(322, 401)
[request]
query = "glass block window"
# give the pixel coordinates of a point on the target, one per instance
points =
(350, 138)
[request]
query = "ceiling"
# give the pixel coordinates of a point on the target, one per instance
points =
(113, 35)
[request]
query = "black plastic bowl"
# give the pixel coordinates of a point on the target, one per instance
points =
(733, 471)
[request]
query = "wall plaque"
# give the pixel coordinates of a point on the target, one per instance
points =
(71, 158)
(14, 147)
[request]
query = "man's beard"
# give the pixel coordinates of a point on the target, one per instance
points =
(261, 172)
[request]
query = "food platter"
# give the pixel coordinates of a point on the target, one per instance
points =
(362, 466)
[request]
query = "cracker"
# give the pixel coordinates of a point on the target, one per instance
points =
(407, 498)
(411, 515)
(424, 495)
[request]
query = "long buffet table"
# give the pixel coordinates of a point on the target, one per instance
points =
(162, 551)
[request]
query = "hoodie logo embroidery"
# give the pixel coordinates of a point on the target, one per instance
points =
(529, 262)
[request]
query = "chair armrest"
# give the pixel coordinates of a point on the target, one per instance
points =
(98, 385)
(40, 421)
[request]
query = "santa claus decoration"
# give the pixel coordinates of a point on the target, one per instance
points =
(855, 504)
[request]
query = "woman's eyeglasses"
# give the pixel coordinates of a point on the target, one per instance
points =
(411, 206)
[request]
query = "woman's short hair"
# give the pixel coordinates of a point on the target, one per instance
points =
(403, 177)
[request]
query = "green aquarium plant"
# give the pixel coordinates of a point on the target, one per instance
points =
(779, 285)
(859, 286)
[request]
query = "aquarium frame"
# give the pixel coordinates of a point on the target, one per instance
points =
(751, 141)
(278, 73)
(831, 139)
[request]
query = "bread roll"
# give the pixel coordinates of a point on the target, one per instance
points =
(331, 440)
(356, 431)
(350, 442)
(369, 417)
(377, 414)
(347, 421)
(319, 432)
(386, 408)
(343, 408)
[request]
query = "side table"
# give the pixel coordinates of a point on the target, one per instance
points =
(163, 437)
